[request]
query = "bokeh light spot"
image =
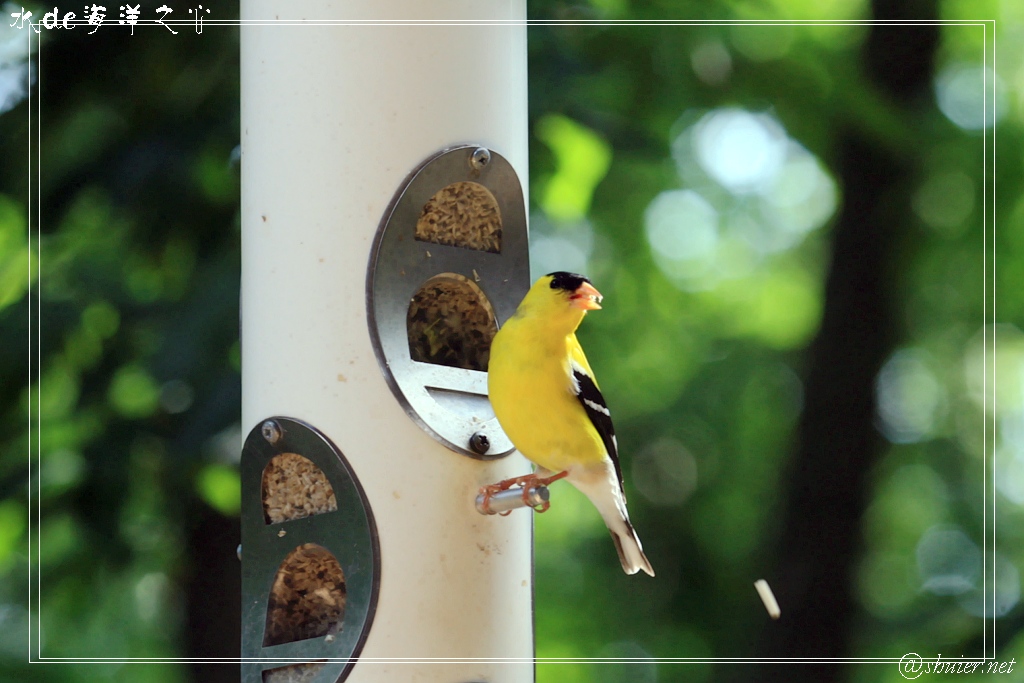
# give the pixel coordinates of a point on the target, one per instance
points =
(219, 485)
(582, 158)
(133, 392)
(665, 472)
(762, 42)
(17, 71)
(998, 597)
(971, 96)
(996, 351)
(948, 561)
(885, 583)
(711, 62)
(150, 593)
(13, 523)
(945, 201)
(682, 228)
(101, 319)
(742, 151)
(634, 671)
(176, 396)
(801, 197)
(910, 399)
(567, 246)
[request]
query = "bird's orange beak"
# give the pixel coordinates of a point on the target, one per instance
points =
(586, 297)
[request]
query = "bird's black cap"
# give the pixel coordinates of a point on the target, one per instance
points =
(569, 282)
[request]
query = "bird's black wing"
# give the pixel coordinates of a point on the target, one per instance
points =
(597, 410)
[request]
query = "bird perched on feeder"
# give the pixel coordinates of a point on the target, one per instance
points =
(547, 401)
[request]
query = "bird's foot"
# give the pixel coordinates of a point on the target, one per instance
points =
(492, 489)
(543, 481)
(527, 482)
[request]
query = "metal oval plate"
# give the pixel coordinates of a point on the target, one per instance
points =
(449, 403)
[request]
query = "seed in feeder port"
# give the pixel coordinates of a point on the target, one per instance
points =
(768, 598)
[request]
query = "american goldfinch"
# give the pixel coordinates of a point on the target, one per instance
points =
(547, 401)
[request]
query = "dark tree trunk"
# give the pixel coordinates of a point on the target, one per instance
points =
(819, 541)
(214, 596)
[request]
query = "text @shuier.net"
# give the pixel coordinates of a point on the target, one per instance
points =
(913, 665)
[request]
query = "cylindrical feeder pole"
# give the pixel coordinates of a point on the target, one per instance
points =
(335, 116)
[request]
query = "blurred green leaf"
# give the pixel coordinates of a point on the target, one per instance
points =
(582, 159)
(101, 319)
(133, 392)
(217, 179)
(13, 522)
(220, 487)
(16, 258)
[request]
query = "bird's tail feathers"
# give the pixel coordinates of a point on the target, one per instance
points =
(606, 495)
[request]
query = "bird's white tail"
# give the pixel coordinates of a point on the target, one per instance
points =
(603, 490)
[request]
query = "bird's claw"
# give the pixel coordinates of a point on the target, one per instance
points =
(491, 489)
(527, 483)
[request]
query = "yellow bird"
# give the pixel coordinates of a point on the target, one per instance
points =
(547, 401)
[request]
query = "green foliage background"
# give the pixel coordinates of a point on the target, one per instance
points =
(136, 294)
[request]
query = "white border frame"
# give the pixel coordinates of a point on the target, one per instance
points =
(35, 326)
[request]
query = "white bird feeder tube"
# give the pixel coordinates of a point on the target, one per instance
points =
(335, 117)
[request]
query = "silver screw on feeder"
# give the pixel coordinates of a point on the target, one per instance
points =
(481, 157)
(271, 432)
(510, 499)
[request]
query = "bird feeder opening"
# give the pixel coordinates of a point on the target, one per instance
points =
(463, 214)
(293, 488)
(451, 322)
(308, 597)
(294, 673)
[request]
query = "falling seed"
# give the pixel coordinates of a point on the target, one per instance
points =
(476, 276)
(281, 533)
(768, 598)
(428, 254)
